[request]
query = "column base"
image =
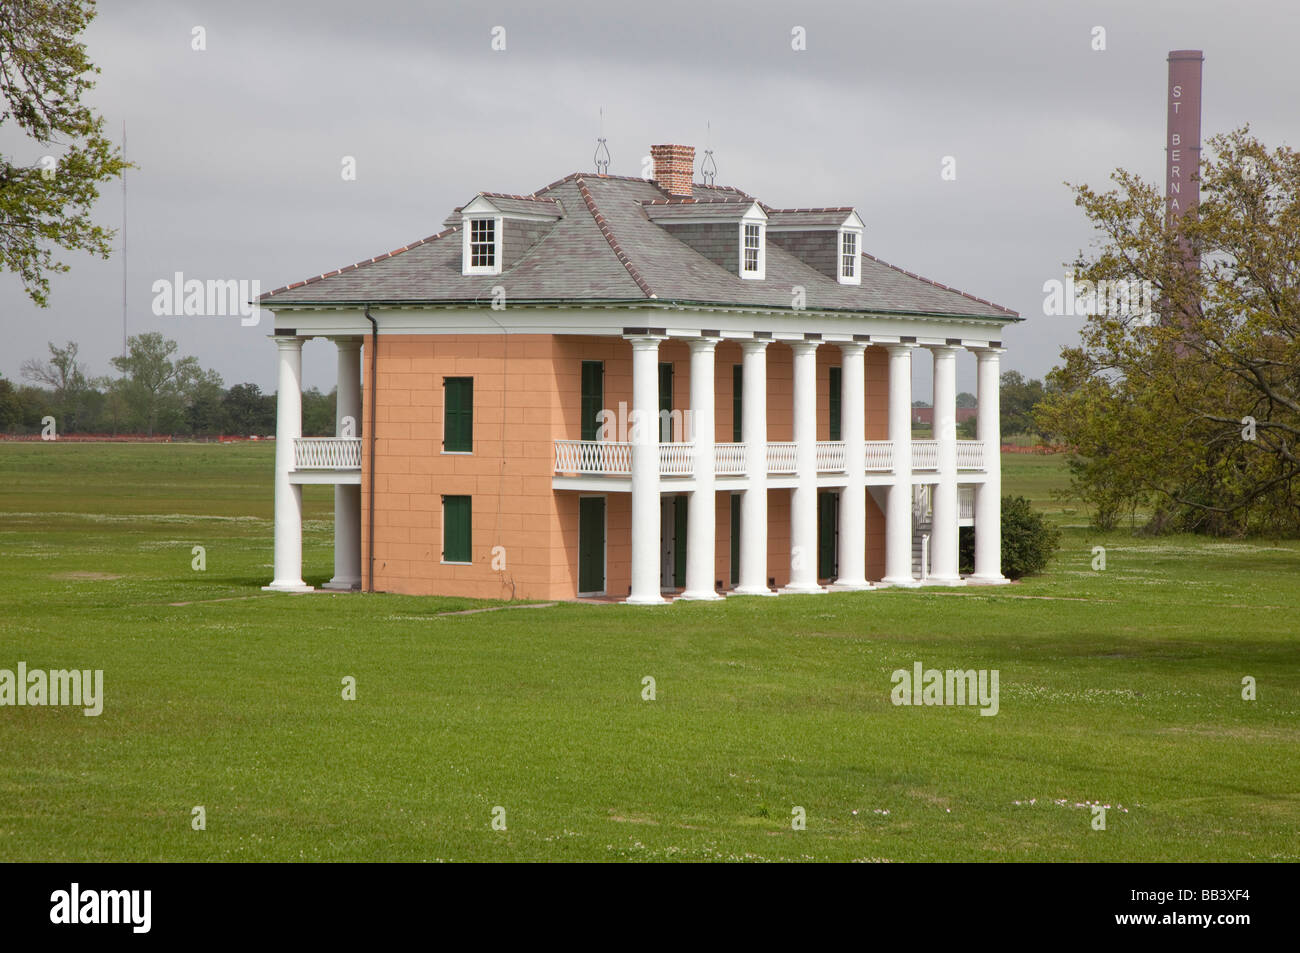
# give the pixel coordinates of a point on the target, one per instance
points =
(900, 582)
(800, 590)
(288, 587)
(708, 595)
(345, 584)
(988, 581)
(655, 600)
(752, 591)
(850, 586)
(944, 581)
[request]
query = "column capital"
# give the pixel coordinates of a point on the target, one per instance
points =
(938, 349)
(703, 343)
(751, 345)
(900, 347)
(645, 342)
(985, 353)
(804, 347)
(286, 342)
(851, 347)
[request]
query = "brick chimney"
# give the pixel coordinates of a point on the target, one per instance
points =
(674, 169)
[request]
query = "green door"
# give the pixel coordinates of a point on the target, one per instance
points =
(735, 539)
(591, 544)
(679, 540)
(828, 530)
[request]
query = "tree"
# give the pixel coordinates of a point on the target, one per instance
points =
(1194, 415)
(249, 411)
(965, 399)
(66, 377)
(1018, 397)
(44, 73)
(318, 413)
(11, 407)
(154, 385)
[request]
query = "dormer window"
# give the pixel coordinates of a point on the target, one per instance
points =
(850, 263)
(848, 255)
(753, 254)
(482, 246)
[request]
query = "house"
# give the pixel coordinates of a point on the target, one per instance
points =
(627, 388)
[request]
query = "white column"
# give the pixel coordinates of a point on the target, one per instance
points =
(645, 472)
(803, 498)
(288, 496)
(701, 513)
(898, 509)
(943, 533)
(988, 495)
(853, 501)
(753, 501)
(347, 496)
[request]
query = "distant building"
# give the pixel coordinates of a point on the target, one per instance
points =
(925, 415)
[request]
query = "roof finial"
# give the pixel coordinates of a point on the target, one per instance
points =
(601, 157)
(708, 168)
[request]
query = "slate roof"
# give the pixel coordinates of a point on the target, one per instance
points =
(605, 248)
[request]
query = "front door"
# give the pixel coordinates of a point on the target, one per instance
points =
(591, 545)
(828, 534)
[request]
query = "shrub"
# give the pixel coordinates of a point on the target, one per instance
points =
(1028, 541)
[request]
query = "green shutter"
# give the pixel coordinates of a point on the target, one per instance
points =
(735, 539)
(591, 544)
(737, 401)
(837, 388)
(828, 518)
(458, 414)
(593, 398)
(456, 529)
(665, 401)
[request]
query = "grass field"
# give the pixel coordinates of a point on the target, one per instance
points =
(1121, 687)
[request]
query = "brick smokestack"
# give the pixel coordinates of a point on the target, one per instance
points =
(674, 169)
(1183, 141)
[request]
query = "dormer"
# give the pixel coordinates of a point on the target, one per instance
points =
(497, 230)
(731, 233)
(827, 239)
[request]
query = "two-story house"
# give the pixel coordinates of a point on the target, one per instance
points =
(632, 389)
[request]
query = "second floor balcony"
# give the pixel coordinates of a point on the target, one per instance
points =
(607, 458)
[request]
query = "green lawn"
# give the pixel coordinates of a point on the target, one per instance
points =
(1121, 686)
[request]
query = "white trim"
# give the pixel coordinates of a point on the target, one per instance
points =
(854, 256)
(753, 221)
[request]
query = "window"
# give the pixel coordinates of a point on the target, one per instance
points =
(666, 402)
(753, 249)
(482, 243)
(737, 401)
(593, 399)
(849, 258)
(458, 415)
(836, 389)
(456, 529)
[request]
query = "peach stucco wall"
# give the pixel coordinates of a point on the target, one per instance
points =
(527, 391)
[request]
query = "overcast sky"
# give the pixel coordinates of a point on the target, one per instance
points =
(240, 146)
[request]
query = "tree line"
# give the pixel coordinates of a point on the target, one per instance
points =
(154, 392)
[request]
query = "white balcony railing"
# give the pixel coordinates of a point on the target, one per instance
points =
(729, 459)
(676, 459)
(830, 456)
(925, 454)
(606, 458)
(593, 456)
(970, 455)
(781, 457)
(327, 453)
(880, 455)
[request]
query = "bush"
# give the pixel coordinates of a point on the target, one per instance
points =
(1028, 541)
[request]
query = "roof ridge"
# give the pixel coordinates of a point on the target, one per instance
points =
(695, 201)
(369, 261)
(605, 230)
(522, 198)
(940, 285)
(829, 208)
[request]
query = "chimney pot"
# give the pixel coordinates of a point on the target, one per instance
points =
(674, 169)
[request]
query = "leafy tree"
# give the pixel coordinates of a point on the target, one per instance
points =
(1028, 540)
(205, 412)
(1194, 416)
(249, 411)
(154, 385)
(1017, 398)
(965, 399)
(44, 72)
(11, 407)
(318, 413)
